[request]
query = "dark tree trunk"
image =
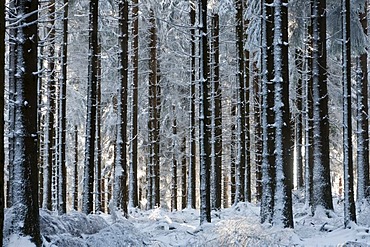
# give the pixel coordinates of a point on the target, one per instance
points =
(217, 179)
(98, 159)
(120, 187)
(62, 208)
(24, 182)
(349, 196)
(283, 142)
(362, 117)
(233, 153)
(133, 200)
(268, 117)
(321, 169)
(298, 118)
(12, 72)
(204, 116)
(240, 161)
(183, 174)
(87, 200)
(2, 88)
(75, 177)
(257, 130)
(174, 163)
(153, 115)
(192, 140)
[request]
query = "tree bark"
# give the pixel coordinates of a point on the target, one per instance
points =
(87, 200)
(25, 220)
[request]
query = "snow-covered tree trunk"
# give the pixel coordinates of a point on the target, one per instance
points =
(11, 111)
(88, 184)
(349, 201)
(174, 162)
(50, 135)
(240, 162)
(204, 116)
(283, 163)
(153, 187)
(247, 167)
(233, 152)
(62, 208)
(2, 84)
(308, 116)
(362, 116)
(192, 140)
(120, 173)
(299, 60)
(321, 169)
(257, 106)
(268, 118)
(217, 110)
(133, 187)
(98, 153)
(25, 216)
(75, 170)
(183, 174)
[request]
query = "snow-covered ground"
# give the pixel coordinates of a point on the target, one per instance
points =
(236, 226)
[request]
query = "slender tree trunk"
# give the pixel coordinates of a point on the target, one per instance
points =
(183, 174)
(349, 197)
(2, 90)
(50, 144)
(268, 117)
(12, 88)
(63, 116)
(174, 163)
(120, 177)
(98, 160)
(283, 163)
(88, 185)
(298, 118)
(204, 116)
(247, 173)
(192, 140)
(240, 162)
(133, 200)
(233, 153)
(321, 169)
(362, 117)
(25, 220)
(75, 177)
(257, 130)
(217, 180)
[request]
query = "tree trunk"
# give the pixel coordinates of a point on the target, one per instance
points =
(2, 90)
(349, 197)
(120, 177)
(62, 209)
(174, 163)
(98, 159)
(283, 163)
(268, 117)
(240, 162)
(204, 116)
(50, 144)
(25, 220)
(298, 118)
(362, 117)
(88, 185)
(192, 140)
(183, 174)
(321, 169)
(217, 142)
(133, 196)
(75, 177)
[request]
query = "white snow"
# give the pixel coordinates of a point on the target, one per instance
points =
(236, 226)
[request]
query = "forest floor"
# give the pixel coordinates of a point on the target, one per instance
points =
(235, 226)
